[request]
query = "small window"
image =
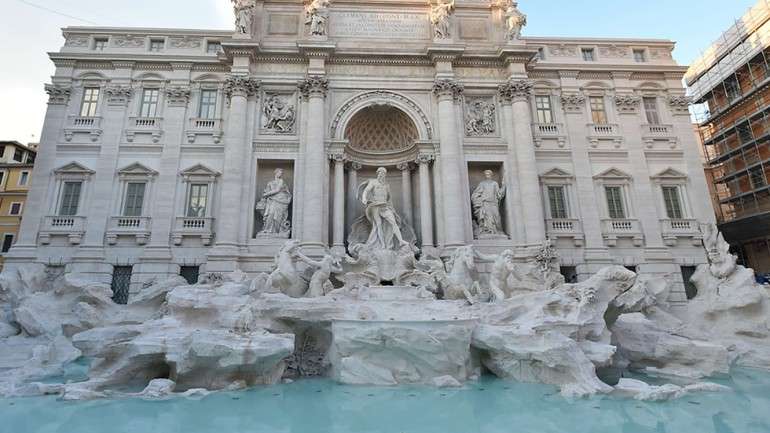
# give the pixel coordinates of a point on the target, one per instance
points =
(100, 44)
(557, 200)
(134, 199)
(7, 242)
(2, 178)
(121, 284)
(208, 106)
(157, 45)
(190, 273)
(23, 178)
(213, 47)
(651, 110)
(198, 200)
(70, 198)
(598, 110)
(757, 177)
(588, 54)
(544, 109)
(615, 207)
(732, 88)
(149, 106)
(15, 209)
(90, 102)
(30, 158)
(640, 56)
(673, 202)
(18, 155)
(689, 288)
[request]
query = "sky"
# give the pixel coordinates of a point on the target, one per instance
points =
(31, 28)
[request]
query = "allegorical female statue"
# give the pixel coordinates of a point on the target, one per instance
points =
(486, 206)
(515, 21)
(243, 10)
(440, 17)
(274, 207)
(317, 16)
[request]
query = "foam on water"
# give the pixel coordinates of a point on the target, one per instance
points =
(488, 406)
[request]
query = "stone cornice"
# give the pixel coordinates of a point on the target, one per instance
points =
(314, 85)
(445, 53)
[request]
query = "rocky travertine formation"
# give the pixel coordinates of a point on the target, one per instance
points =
(232, 332)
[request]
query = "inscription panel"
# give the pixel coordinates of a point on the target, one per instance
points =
(380, 25)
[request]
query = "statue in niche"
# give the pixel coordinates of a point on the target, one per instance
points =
(317, 16)
(385, 233)
(480, 119)
(486, 207)
(515, 21)
(441, 18)
(279, 116)
(243, 10)
(274, 207)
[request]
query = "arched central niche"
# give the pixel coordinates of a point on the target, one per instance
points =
(381, 129)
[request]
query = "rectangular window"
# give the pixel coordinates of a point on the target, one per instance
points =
(588, 54)
(651, 110)
(615, 207)
(90, 102)
(744, 132)
(208, 108)
(757, 177)
(23, 178)
(18, 155)
(558, 202)
(2, 150)
(732, 88)
(213, 47)
(149, 103)
(134, 199)
(640, 56)
(673, 202)
(544, 110)
(2, 177)
(198, 200)
(100, 44)
(15, 209)
(598, 111)
(121, 283)
(70, 198)
(30, 158)
(7, 242)
(157, 45)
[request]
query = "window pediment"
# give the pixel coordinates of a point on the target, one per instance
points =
(137, 170)
(613, 174)
(670, 174)
(556, 173)
(199, 172)
(74, 170)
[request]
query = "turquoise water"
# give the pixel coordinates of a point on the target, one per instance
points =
(315, 406)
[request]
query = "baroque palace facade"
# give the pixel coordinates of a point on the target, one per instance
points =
(168, 151)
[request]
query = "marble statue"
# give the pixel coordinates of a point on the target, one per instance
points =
(721, 262)
(279, 116)
(461, 280)
(274, 207)
(486, 207)
(441, 18)
(243, 10)
(317, 16)
(515, 21)
(286, 277)
(480, 119)
(320, 285)
(385, 233)
(502, 266)
(546, 256)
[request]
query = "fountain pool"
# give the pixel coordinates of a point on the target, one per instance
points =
(488, 406)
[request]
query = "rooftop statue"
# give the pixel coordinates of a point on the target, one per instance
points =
(441, 18)
(515, 21)
(317, 16)
(243, 10)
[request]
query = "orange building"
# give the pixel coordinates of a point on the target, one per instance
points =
(16, 162)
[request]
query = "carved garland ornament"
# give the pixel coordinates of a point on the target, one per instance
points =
(380, 94)
(679, 104)
(515, 89)
(627, 104)
(177, 95)
(573, 102)
(118, 95)
(58, 95)
(241, 84)
(448, 88)
(314, 86)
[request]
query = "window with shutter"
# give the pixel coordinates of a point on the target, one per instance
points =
(672, 201)
(651, 110)
(615, 206)
(558, 202)
(134, 199)
(598, 111)
(197, 201)
(544, 110)
(70, 198)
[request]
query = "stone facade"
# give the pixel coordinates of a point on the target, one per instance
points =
(203, 120)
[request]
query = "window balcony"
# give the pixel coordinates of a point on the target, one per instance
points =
(202, 228)
(566, 228)
(200, 126)
(138, 227)
(548, 131)
(658, 133)
(91, 126)
(152, 126)
(604, 132)
(71, 227)
(673, 229)
(614, 229)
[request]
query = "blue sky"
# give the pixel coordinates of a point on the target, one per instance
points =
(29, 32)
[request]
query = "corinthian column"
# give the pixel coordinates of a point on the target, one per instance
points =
(406, 190)
(426, 215)
(352, 191)
(453, 197)
(519, 92)
(314, 90)
(338, 228)
(237, 151)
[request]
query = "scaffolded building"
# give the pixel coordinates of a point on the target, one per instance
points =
(730, 86)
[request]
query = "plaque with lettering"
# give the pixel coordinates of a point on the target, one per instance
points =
(380, 25)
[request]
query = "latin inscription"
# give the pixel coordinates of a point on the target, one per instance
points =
(380, 25)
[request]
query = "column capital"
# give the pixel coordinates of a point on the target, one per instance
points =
(679, 104)
(118, 94)
(355, 166)
(573, 102)
(424, 158)
(241, 85)
(177, 96)
(58, 94)
(314, 85)
(338, 157)
(448, 88)
(404, 166)
(515, 90)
